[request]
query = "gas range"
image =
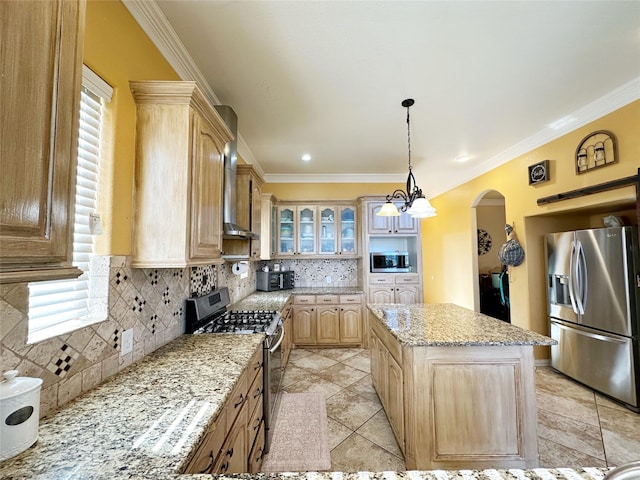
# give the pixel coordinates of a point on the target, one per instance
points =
(241, 321)
(208, 314)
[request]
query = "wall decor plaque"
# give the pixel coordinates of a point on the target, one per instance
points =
(539, 172)
(598, 149)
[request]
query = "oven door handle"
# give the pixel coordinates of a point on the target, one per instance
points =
(277, 345)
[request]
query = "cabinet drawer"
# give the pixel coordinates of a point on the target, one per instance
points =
(236, 400)
(304, 300)
(407, 278)
(392, 345)
(327, 299)
(255, 365)
(257, 452)
(348, 299)
(381, 279)
(255, 393)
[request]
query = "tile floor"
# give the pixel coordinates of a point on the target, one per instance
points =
(576, 428)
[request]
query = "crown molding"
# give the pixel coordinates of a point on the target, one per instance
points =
(337, 178)
(154, 23)
(612, 101)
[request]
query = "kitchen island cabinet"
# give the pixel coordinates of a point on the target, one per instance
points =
(458, 387)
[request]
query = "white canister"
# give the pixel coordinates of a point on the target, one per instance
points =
(19, 413)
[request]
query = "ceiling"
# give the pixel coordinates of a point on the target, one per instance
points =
(490, 79)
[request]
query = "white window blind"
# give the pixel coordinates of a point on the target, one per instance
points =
(58, 301)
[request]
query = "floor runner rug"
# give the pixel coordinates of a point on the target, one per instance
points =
(300, 438)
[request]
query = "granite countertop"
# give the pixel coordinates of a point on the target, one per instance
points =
(146, 421)
(277, 300)
(446, 324)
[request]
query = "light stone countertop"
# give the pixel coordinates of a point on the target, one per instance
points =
(146, 422)
(277, 300)
(446, 324)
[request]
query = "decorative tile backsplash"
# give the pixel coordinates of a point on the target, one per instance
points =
(150, 301)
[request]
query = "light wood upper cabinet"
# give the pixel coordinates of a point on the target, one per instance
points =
(180, 141)
(41, 55)
(403, 225)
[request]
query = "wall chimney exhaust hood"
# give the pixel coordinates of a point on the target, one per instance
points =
(231, 229)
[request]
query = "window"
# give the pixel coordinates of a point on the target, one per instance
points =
(60, 306)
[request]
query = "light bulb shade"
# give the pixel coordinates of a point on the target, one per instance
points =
(421, 208)
(388, 210)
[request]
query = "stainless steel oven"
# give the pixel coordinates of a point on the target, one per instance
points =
(208, 314)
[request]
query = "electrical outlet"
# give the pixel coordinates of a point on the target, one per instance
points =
(127, 342)
(327, 279)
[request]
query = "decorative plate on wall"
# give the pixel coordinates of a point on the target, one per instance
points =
(484, 242)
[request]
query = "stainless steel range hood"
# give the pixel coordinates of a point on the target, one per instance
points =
(230, 228)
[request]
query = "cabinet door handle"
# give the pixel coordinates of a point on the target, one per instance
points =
(239, 401)
(224, 467)
(230, 453)
(257, 393)
(208, 467)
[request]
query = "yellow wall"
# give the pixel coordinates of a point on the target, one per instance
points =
(449, 238)
(116, 48)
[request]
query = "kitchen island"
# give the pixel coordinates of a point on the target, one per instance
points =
(457, 386)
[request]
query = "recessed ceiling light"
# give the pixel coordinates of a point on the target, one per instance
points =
(306, 157)
(462, 158)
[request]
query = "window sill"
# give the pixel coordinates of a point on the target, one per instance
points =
(63, 328)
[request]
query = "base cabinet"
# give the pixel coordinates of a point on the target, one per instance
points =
(426, 391)
(327, 320)
(235, 443)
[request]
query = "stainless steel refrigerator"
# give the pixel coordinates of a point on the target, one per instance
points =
(593, 282)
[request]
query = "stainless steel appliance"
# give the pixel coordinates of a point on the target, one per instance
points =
(390, 262)
(272, 281)
(209, 314)
(594, 308)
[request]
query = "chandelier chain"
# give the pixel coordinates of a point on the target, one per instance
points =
(409, 137)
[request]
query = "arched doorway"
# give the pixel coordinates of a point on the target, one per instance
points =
(489, 219)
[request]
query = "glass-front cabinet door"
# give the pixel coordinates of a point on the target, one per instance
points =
(348, 244)
(307, 230)
(286, 230)
(328, 231)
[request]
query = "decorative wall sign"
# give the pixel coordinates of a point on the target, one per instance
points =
(539, 172)
(598, 149)
(484, 242)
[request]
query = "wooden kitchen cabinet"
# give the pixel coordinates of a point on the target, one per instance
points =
(328, 320)
(387, 378)
(180, 140)
(405, 224)
(338, 230)
(401, 288)
(297, 230)
(40, 96)
(248, 214)
(235, 443)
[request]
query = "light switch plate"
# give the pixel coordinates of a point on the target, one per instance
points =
(127, 342)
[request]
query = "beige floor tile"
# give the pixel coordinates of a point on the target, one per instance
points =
(571, 433)
(313, 383)
(299, 353)
(342, 374)
(338, 433)
(364, 388)
(621, 434)
(350, 409)
(360, 361)
(554, 455)
(559, 394)
(378, 431)
(338, 354)
(313, 362)
(294, 374)
(357, 454)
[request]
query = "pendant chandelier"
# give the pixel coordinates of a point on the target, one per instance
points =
(415, 204)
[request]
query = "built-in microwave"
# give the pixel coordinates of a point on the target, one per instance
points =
(272, 281)
(390, 262)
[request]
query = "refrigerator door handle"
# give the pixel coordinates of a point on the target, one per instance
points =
(583, 278)
(607, 338)
(572, 278)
